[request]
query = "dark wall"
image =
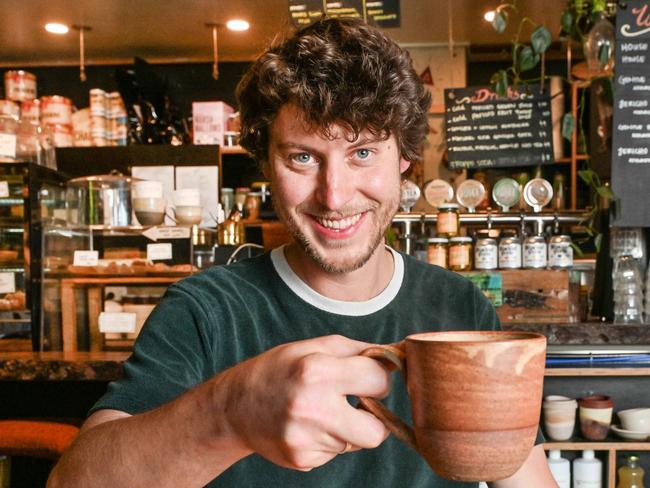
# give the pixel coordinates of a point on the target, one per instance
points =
(187, 82)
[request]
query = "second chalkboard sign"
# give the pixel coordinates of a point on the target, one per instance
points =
(484, 130)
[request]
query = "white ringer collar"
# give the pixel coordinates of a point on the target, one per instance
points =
(340, 307)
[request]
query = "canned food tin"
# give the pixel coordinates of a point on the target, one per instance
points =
(98, 102)
(7, 107)
(437, 251)
(534, 252)
(20, 85)
(62, 135)
(30, 110)
(560, 252)
(485, 253)
(510, 252)
(56, 110)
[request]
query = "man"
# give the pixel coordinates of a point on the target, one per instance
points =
(242, 374)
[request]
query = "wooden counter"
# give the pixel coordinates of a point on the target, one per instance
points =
(60, 366)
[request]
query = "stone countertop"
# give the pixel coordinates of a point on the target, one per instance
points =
(588, 333)
(60, 366)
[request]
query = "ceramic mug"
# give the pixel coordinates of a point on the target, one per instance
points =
(559, 417)
(475, 398)
(595, 416)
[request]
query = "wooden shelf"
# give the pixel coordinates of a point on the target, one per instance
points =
(233, 150)
(617, 445)
(639, 371)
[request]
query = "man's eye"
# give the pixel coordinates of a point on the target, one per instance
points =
(363, 153)
(302, 158)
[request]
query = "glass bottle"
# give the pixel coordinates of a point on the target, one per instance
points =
(630, 475)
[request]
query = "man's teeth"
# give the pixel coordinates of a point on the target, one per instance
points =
(341, 223)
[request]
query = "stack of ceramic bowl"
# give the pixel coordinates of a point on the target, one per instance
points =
(187, 206)
(635, 424)
(628, 291)
(559, 417)
(148, 202)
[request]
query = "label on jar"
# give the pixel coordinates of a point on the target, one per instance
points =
(159, 252)
(485, 257)
(117, 322)
(437, 255)
(8, 145)
(7, 282)
(447, 223)
(85, 258)
(534, 254)
(4, 189)
(510, 255)
(560, 255)
(459, 256)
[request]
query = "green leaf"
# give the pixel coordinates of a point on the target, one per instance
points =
(598, 6)
(500, 82)
(540, 39)
(500, 22)
(605, 192)
(567, 21)
(527, 59)
(587, 175)
(604, 54)
(577, 249)
(598, 240)
(568, 126)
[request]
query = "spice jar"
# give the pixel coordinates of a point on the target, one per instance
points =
(485, 253)
(447, 222)
(437, 251)
(510, 251)
(534, 252)
(460, 253)
(560, 252)
(252, 205)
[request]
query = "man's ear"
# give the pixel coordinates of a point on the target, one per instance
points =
(403, 165)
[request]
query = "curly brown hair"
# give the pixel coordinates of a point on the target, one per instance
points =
(336, 71)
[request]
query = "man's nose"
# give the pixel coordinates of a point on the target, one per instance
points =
(336, 186)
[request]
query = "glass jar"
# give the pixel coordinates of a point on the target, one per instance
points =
(448, 221)
(252, 205)
(560, 252)
(485, 253)
(437, 251)
(510, 251)
(460, 253)
(534, 252)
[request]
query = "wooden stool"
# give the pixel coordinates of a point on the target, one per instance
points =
(35, 438)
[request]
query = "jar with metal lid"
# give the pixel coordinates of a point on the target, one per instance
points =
(448, 221)
(460, 253)
(252, 205)
(560, 252)
(437, 251)
(510, 251)
(534, 252)
(485, 253)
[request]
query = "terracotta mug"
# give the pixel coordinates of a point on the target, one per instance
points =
(475, 398)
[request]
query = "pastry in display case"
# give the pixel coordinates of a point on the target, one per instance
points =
(30, 196)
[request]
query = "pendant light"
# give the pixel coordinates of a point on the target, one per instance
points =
(215, 49)
(82, 50)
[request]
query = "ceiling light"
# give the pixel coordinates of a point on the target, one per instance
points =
(489, 15)
(237, 25)
(56, 28)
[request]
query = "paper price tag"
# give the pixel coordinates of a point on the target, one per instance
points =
(8, 145)
(117, 322)
(4, 189)
(159, 252)
(86, 258)
(7, 282)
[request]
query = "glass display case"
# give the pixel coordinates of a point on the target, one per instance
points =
(30, 197)
(100, 282)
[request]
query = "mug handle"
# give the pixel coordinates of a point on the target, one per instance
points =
(393, 356)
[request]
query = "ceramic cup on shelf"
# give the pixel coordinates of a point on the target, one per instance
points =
(462, 387)
(187, 206)
(559, 417)
(148, 202)
(635, 419)
(595, 416)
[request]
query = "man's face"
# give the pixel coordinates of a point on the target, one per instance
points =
(336, 197)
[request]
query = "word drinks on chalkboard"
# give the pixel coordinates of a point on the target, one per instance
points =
(631, 122)
(484, 130)
(383, 13)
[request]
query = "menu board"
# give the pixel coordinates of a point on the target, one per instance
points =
(484, 130)
(631, 122)
(383, 13)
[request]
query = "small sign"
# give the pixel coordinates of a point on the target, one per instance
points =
(117, 322)
(155, 233)
(8, 145)
(7, 282)
(4, 189)
(86, 258)
(159, 252)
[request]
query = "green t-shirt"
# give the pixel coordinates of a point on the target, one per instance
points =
(220, 317)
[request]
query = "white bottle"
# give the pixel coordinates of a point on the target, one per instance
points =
(560, 468)
(587, 471)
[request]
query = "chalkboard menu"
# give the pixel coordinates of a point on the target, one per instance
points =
(631, 123)
(383, 13)
(484, 130)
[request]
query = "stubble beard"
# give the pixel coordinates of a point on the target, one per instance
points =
(383, 216)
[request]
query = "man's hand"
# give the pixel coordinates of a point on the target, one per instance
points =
(289, 404)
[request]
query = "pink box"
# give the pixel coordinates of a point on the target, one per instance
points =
(209, 122)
